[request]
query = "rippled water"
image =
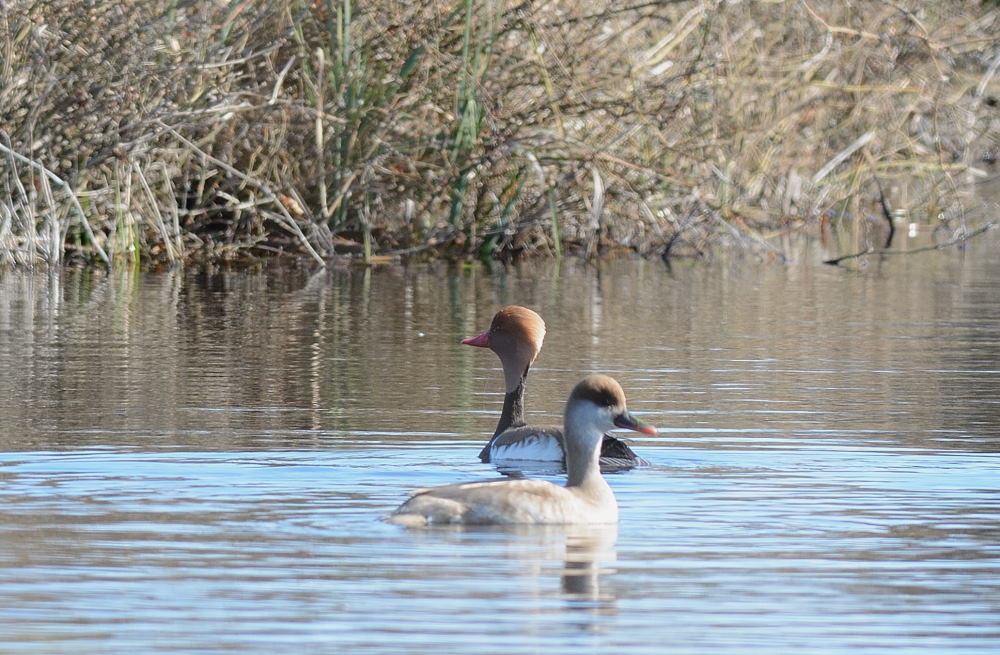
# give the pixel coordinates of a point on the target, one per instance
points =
(195, 462)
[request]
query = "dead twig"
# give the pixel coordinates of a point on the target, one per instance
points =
(886, 212)
(937, 246)
(288, 222)
(69, 192)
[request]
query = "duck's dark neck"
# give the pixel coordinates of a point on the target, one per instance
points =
(512, 415)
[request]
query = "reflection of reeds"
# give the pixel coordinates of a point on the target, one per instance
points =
(156, 131)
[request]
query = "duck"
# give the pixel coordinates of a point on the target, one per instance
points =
(596, 405)
(516, 335)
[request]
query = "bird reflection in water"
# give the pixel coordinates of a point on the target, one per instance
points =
(588, 552)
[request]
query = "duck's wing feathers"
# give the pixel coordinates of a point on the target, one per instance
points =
(492, 502)
(527, 442)
(546, 443)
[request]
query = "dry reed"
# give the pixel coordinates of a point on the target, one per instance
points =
(160, 131)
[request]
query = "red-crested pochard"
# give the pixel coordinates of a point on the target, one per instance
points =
(516, 336)
(597, 404)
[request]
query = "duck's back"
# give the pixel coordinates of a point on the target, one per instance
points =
(616, 455)
(506, 501)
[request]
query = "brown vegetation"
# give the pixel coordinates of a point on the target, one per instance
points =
(160, 130)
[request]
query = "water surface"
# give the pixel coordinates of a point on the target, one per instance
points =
(195, 461)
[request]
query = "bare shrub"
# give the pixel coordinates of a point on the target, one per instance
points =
(162, 130)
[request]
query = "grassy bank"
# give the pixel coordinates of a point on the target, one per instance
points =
(161, 131)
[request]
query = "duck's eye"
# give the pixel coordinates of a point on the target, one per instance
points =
(610, 402)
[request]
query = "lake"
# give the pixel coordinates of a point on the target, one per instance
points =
(195, 461)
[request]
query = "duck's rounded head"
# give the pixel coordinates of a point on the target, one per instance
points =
(604, 394)
(515, 335)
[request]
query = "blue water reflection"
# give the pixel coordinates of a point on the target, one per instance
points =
(200, 468)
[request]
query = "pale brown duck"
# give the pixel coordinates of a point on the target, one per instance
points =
(597, 404)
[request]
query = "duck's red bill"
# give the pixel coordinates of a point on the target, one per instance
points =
(480, 341)
(629, 422)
